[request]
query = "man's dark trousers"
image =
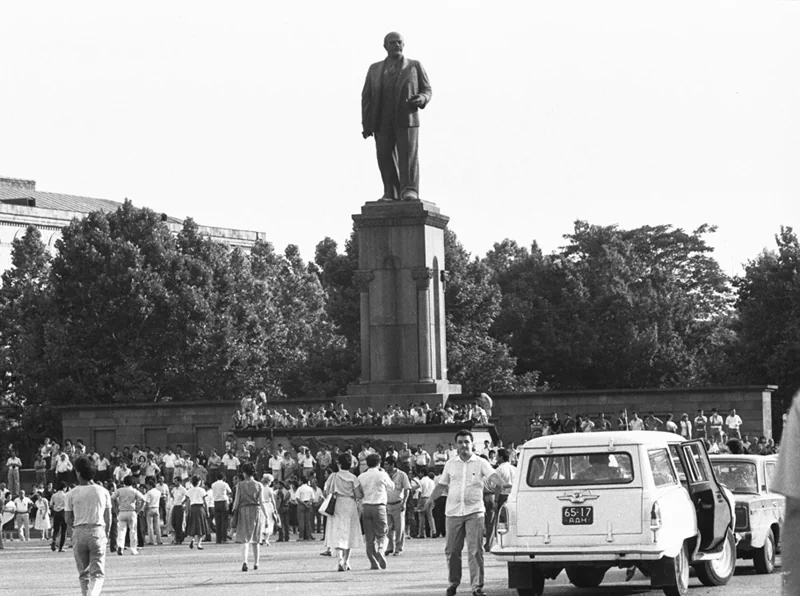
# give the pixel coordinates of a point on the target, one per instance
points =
(177, 523)
(221, 520)
(59, 528)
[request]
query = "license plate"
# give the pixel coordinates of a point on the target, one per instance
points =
(577, 516)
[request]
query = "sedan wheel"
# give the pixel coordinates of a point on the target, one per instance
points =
(764, 557)
(679, 569)
(719, 571)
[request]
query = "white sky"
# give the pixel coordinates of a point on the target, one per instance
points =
(247, 114)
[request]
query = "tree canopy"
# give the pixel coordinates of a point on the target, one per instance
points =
(768, 324)
(614, 308)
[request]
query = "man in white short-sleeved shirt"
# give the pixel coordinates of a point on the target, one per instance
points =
(169, 465)
(376, 485)
(734, 424)
(88, 512)
(787, 483)
(464, 477)
(231, 463)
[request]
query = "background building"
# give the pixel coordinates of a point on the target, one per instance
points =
(21, 205)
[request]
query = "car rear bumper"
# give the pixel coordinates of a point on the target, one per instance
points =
(607, 554)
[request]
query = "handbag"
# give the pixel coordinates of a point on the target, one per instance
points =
(328, 505)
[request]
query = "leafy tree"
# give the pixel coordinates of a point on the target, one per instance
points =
(335, 272)
(312, 336)
(616, 308)
(24, 304)
(142, 314)
(768, 308)
(476, 360)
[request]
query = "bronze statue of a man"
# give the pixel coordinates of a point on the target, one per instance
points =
(394, 92)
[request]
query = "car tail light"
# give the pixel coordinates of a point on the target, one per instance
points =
(502, 521)
(742, 518)
(655, 517)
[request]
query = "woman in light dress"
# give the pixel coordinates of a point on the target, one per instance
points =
(249, 514)
(344, 528)
(270, 506)
(43, 522)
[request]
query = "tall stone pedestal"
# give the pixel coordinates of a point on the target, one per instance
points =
(401, 281)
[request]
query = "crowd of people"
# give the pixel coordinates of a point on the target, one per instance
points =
(383, 499)
(715, 429)
(150, 489)
(255, 413)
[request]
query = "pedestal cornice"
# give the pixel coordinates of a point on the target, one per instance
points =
(400, 213)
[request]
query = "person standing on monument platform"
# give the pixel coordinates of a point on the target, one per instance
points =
(394, 91)
(13, 463)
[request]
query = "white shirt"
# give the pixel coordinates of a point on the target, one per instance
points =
(440, 458)
(426, 487)
(152, 497)
(464, 480)
(304, 493)
(179, 495)
(508, 473)
(733, 422)
(374, 483)
(231, 463)
(401, 487)
(169, 460)
(221, 491)
(197, 495)
(88, 503)
(63, 465)
(22, 504)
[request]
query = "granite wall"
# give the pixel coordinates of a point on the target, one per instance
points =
(512, 413)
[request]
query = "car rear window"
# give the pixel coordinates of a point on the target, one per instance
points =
(661, 467)
(599, 467)
(740, 477)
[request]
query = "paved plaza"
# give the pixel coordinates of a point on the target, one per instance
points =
(295, 569)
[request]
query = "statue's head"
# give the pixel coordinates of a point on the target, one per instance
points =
(393, 43)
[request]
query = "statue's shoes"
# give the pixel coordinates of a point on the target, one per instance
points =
(410, 195)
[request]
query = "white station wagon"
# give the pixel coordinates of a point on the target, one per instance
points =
(587, 502)
(759, 511)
